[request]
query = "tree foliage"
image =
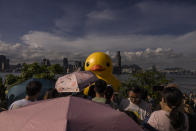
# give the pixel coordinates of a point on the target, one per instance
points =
(56, 69)
(146, 80)
(34, 70)
(3, 101)
(11, 79)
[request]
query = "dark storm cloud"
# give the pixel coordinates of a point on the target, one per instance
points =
(17, 17)
(144, 30)
(117, 17)
(76, 18)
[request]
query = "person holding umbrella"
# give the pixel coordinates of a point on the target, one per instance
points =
(32, 93)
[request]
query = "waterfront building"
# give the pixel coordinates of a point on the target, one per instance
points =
(127, 69)
(77, 65)
(4, 63)
(117, 63)
(65, 65)
(45, 62)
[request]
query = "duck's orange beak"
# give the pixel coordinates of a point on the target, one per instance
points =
(97, 68)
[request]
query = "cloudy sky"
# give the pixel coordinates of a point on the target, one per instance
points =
(146, 32)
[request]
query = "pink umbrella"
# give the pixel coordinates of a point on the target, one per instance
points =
(66, 114)
(75, 82)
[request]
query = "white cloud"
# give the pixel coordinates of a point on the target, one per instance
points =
(141, 49)
(148, 56)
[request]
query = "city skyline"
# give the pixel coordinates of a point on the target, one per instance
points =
(153, 32)
(116, 61)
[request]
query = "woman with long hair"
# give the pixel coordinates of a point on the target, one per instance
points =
(170, 117)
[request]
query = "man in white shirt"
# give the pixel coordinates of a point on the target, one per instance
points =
(32, 93)
(136, 105)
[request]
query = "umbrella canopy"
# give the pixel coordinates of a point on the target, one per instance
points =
(19, 91)
(75, 82)
(66, 114)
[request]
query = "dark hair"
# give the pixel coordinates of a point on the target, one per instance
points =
(108, 94)
(33, 87)
(52, 93)
(135, 89)
(144, 94)
(100, 86)
(173, 97)
(91, 92)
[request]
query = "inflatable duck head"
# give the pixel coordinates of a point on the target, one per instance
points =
(99, 63)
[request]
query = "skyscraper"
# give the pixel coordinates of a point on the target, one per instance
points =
(118, 56)
(117, 64)
(4, 63)
(46, 62)
(65, 63)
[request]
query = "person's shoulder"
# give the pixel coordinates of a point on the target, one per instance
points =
(98, 99)
(94, 99)
(156, 112)
(18, 103)
(154, 116)
(159, 113)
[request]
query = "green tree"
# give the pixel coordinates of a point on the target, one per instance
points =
(34, 70)
(11, 79)
(29, 70)
(56, 69)
(2, 94)
(145, 79)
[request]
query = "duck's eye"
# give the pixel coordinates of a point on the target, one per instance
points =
(87, 64)
(107, 64)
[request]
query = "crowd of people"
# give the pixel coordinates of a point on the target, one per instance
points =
(175, 111)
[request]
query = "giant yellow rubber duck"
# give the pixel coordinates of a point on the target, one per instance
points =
(101, 65)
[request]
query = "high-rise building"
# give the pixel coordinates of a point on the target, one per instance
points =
(46, 62)
(118, 56)
(117, 64)
(78, 63)
(4, 63)
(65, 63)
(7, 63)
